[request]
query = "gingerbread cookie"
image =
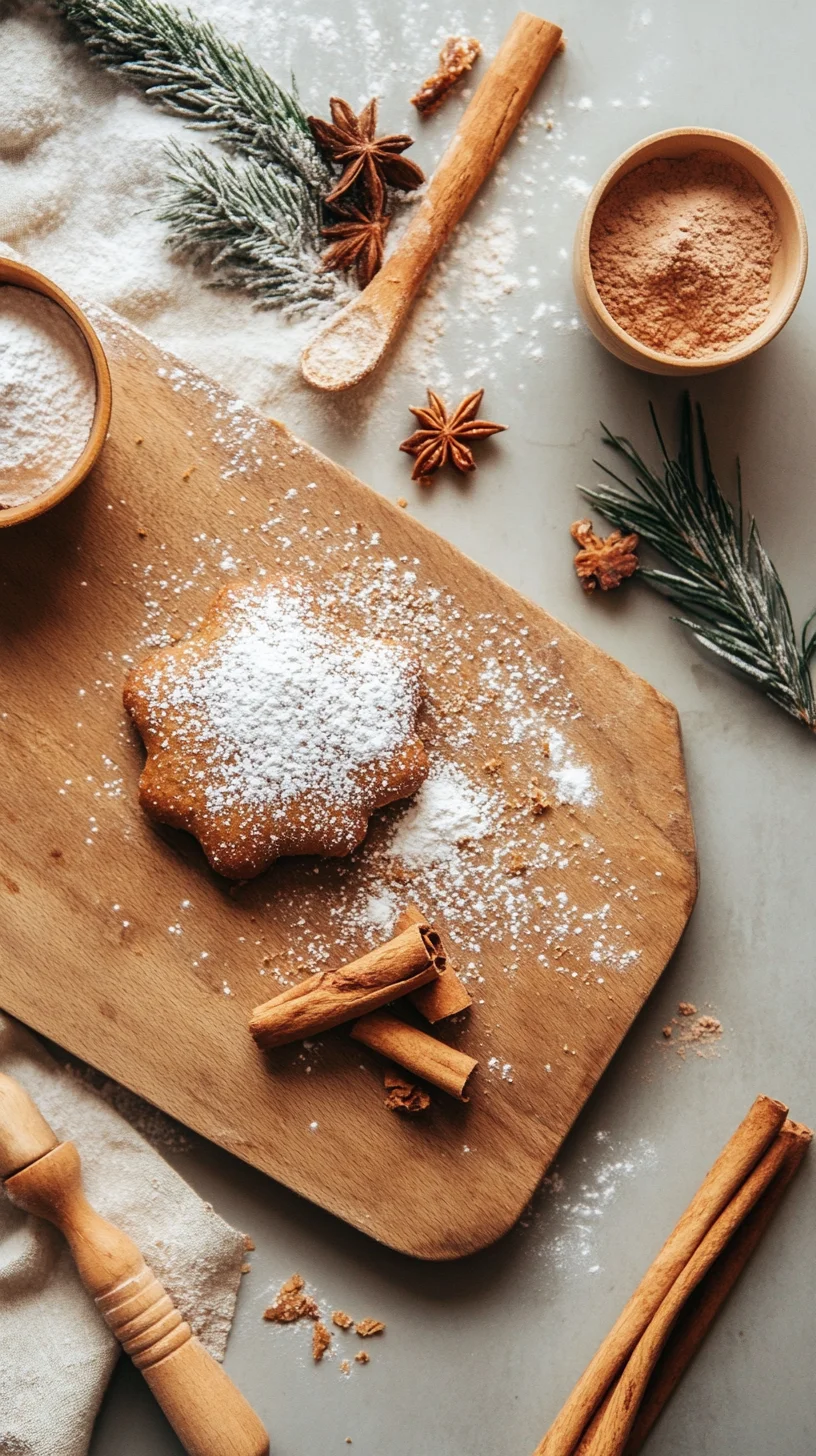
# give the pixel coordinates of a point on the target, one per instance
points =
(269, 732)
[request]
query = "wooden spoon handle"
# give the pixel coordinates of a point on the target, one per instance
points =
(479, 140)
(207, 1412)
(352, 343)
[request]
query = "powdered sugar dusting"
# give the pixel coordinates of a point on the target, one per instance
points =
(448, 812)
(289, 708)
(572, 1208)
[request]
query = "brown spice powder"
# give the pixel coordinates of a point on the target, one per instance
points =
(682, 250)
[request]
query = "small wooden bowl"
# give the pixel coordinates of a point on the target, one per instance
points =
(21, 276)
(789, 269)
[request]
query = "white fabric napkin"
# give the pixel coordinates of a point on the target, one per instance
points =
(56, 1354)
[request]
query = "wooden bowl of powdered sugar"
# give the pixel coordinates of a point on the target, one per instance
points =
(55, 394)
(690, 254)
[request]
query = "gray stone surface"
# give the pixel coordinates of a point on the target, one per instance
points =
(479, 1355)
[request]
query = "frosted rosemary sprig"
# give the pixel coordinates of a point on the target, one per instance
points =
(723, 576)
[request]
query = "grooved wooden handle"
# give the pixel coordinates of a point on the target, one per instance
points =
(207, 1412)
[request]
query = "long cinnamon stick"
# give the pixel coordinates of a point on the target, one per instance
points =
(446, 996)
(612, 1430)
(737, 1160)
(327, 999)
(424, 1055)
(699, 1315)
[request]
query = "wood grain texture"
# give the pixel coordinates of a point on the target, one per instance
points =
(95, 950)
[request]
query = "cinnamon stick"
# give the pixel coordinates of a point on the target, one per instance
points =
(737, 1160)
(401, 965)
(424, 1055)
(443, 997)
(612, 1429)
(699, 1315)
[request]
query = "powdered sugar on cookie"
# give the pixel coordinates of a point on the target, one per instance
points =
(270, 732)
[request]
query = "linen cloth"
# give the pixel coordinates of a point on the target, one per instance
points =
(56, 1353)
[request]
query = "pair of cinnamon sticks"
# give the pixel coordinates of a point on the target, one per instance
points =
(413, 963)
(626, 1385)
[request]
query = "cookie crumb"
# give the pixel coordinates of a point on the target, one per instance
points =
(368, 1327)
(402, 502)
(321, 1339)
(141, 531)
(249, 1244)
(345, 1367)
(685, 1008)
(539, 803)
(246, 1268)
(291, 1304)
(362, 1357)
(667, 1031)
(341, 1319)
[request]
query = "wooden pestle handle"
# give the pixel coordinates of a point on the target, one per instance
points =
(207, 1412)
(352, 343)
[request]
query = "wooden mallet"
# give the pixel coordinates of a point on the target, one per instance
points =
(43, 1176)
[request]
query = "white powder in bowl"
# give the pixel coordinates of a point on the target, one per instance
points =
(47, 394)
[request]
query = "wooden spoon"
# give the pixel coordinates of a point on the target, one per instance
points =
(351, 344)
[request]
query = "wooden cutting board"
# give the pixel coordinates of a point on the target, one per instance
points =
(118, 942)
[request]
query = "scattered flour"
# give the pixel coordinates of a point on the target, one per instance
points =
(47, 394)
(572, 1209)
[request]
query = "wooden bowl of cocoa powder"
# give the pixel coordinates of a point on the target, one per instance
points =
(690, 254)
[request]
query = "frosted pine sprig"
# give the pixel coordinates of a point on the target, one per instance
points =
(723, 575)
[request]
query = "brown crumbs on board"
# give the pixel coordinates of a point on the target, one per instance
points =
(404, 1095)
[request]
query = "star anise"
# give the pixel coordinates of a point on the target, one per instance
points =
(351, 141)
(358, 243)
(603, 561)
(442, 435)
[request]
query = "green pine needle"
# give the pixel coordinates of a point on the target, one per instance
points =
(722, 574)
(183, 63)
(256, 227)
(256, 224)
